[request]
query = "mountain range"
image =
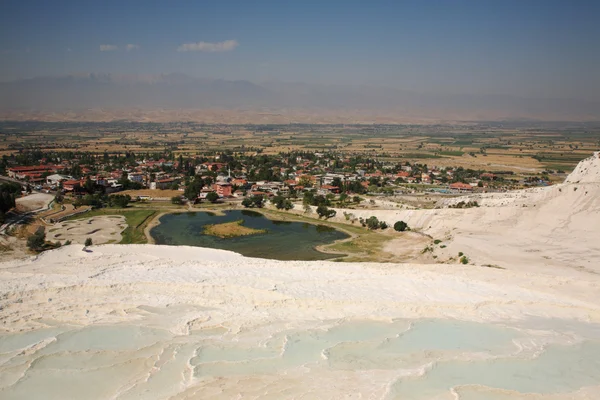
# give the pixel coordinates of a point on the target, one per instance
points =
(77, 93)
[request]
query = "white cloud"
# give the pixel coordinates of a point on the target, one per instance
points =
(131, 47)
(227, 45)
(108, 47)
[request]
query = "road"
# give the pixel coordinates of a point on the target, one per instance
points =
(12, 180)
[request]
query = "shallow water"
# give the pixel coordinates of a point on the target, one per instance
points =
(559, 369)
(401, 359)
(284, 240)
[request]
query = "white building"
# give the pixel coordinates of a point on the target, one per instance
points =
(57, 178)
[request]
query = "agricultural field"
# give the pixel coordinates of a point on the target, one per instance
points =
(517, 147)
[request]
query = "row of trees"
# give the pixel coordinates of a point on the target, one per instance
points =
(373, 223)
(254, 201)
(99, 200)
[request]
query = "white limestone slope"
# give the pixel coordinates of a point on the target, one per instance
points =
(547, 229)
(587, 171)
(547, 237)
(109, 283)
(132, 321)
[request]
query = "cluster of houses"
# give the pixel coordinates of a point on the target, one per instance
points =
(326, 174)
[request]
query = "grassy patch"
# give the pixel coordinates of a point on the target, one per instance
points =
(366, 247)
(231, 229)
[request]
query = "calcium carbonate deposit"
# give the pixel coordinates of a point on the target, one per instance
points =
(160, 322)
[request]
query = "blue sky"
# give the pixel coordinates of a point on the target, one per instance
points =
(532, 48)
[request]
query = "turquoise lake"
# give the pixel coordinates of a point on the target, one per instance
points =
(284, 240)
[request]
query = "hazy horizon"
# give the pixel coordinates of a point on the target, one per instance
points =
(533, 49)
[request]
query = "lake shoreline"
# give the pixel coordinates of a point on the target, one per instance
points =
(271, 215)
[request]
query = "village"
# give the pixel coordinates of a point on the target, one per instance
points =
(235, 176)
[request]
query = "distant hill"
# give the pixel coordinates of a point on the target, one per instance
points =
(178, 91)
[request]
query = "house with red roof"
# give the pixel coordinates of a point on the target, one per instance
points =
(71, 185)
(462, 187)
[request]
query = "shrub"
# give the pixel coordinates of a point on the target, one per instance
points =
(427, 249)
(460, 253)
(68, 242)
(464, 260)
(176, 200)
(36, 241)
(372, 222)
(400, 226)
(462, 204)
(88, 242)
(437, 241)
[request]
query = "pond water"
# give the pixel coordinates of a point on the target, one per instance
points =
(283, 240)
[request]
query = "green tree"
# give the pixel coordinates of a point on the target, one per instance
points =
(193, 188)
(343, 198)
(337, 182)
(278, 201)
(119, 200)
(308, 197)
(400, 226)
(324, 212)
(282, 203)
(212, 197)
(305, 181)
(89, 185)
(258, 200)
(247, 202)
